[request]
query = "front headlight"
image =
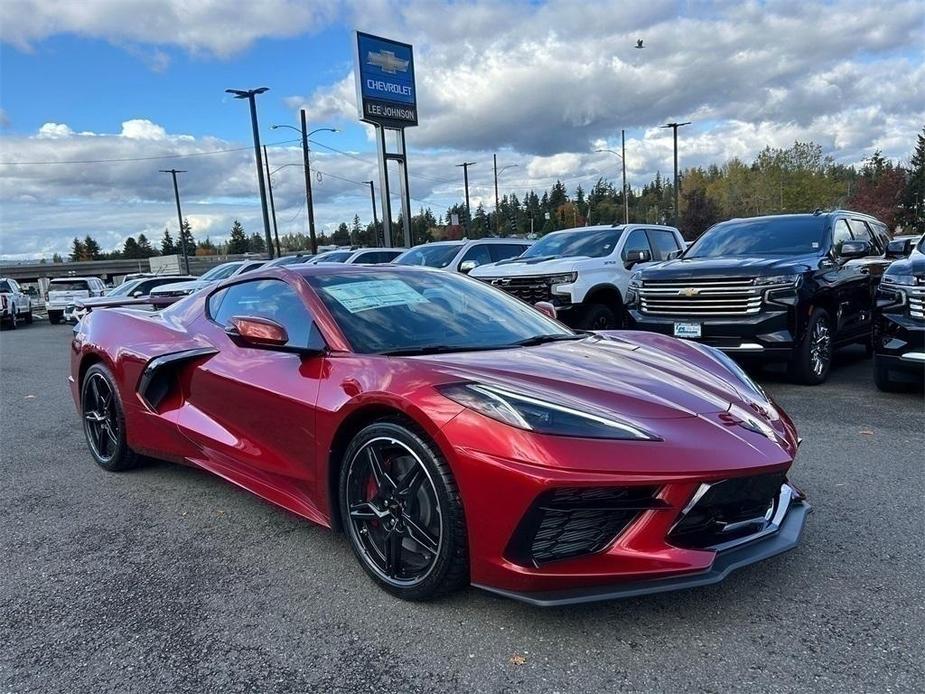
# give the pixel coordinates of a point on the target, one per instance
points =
(783, 280)
(564, 278)
(544, 417)
(901, 280)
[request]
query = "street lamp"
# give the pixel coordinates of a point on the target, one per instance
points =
(626, 207)
(498, 173)
(465, 167)
(674, 127)
(176, 193)
(249, 94)
(303, 131)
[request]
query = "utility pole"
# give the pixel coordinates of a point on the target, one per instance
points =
(176, 194)
(465, 167)
(372, 197)
(626, 203)
(677, 209)
(249, 94)
(266, 162)
(494, 158)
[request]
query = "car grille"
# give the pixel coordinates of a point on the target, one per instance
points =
(917, 302)
(570, 522)
(529, 289)
(728, 510)
(700, 297)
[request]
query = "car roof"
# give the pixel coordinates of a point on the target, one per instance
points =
(373, 270)
(71, 279)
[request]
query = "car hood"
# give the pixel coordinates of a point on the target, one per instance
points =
(526, 267)
(103, 301)
(633, 376)
(180, 286)
(688, 268)
(913, 265)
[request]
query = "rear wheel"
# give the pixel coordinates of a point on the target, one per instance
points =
(54, 317)
(29, 316)
(104, 421)
(402, 513)
(599, 317)
(812, 359)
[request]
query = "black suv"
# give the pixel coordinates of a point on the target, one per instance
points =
(899, 327)
(785, 287)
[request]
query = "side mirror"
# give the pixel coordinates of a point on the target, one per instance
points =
(898, 248)
(675, 254)
(467, 266)
(546, 308)
(257, 332)
(136, 294)
(637, 257)
(854, 249)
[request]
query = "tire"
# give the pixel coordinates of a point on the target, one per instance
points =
(104, 421)
(54, 317)
(599, 317)
(882, 378)
(29, 316)
(812, 359)
(379, 516)
(13, 321)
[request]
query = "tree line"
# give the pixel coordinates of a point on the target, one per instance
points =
(799, 178)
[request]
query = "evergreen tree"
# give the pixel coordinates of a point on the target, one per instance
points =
(144, 247)
(167, 245)
(913, 212)
(56, 258)
(131, 249)
(341, 237)
(91, 249)
(256, 244)
(356, 231)
(237, 241)
(78, 251)
(186, 239)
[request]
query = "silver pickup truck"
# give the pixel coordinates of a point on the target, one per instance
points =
(15, 305)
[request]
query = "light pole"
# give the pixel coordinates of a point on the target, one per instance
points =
(249, 94)
(498, 173)
(674, 127)
(372, 197)
(176, 194)
(266, 162)
(303, 131)
(465, 167)
(626, 206)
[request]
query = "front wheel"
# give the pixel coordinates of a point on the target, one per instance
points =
(812, 359)
(882, 378)
(104, 421)
(29, 316)
(599, 317)
(402, 512)
(54, 317)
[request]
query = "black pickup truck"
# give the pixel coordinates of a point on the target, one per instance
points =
(784, 287)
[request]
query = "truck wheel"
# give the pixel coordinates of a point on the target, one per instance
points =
(599, 317)
(812, 359)
(882, 377)
(29, 316)
(13, 321)
(54, 317)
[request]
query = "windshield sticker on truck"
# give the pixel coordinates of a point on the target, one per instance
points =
(363, 296)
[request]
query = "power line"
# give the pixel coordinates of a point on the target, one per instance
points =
(149, 158)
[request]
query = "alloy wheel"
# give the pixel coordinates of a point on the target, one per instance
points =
(820, 350)
(101, 421)
(395, 518)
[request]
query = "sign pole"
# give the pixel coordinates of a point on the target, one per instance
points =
(384, 187)
(405, 191)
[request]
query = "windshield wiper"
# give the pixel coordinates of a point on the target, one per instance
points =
(542, 339)
(437, 349)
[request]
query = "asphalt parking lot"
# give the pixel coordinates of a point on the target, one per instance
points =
(168, 579)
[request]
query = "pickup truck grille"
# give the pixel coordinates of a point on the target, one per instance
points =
(529, 289)
(700, 297)
(917, 302)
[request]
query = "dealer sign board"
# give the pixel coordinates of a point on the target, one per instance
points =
(385, 82)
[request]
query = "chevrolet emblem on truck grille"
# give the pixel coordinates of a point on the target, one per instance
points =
(688, 291)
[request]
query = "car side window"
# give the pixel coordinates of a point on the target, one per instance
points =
(841, 234)
(663, 243)
(503, 251)
(265, 298)
(479, 253)
(637, 241)
(861, 232)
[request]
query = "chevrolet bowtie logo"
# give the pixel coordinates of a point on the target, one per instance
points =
(688, 291)
(387, 61)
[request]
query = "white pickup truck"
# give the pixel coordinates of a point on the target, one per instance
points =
(583, 272)
(65, 291)
(15, 305)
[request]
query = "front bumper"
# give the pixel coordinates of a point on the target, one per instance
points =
(783, 540)
(899, 342)
(768, 333)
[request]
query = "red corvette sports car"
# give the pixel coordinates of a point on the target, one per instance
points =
(453, 433)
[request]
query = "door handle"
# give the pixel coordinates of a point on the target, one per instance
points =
(864, 270)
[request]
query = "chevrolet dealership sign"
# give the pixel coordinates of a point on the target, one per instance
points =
(385, 82)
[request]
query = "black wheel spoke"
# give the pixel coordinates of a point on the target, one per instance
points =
(382, 479)
(410, 481)
(393, 553)
(95, 390)
(420, 536)
(366, 511)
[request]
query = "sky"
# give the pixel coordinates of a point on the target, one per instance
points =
(97, 96)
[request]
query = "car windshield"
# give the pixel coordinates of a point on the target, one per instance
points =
(565, 244)
(68, 286)
(335, 257)
(921, 244)
(761, 236)
(5, 286)
(436, 255)
(420, 311)
(125, 288)
(220, 272)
